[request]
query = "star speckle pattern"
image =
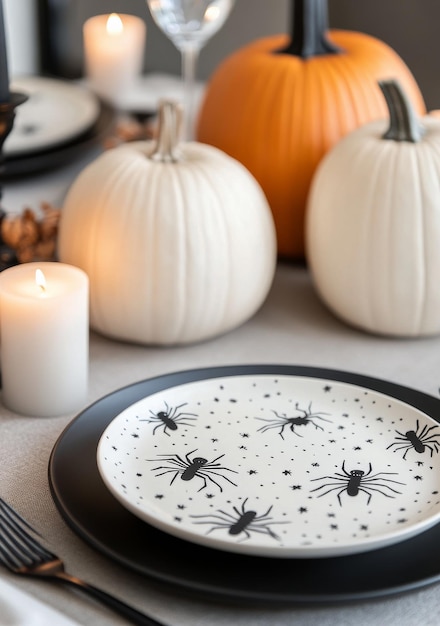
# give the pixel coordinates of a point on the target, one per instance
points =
(266, 440)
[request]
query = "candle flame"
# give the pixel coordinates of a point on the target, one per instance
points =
(114, 24)
(40, 280)
(212, 13)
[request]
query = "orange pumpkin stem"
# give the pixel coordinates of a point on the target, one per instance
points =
(405, 125)
(309, 30)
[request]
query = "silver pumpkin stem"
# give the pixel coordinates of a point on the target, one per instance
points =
(169, 132)
(405, 125)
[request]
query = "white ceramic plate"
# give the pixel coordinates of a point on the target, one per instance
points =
(276, 465)
(56, 111)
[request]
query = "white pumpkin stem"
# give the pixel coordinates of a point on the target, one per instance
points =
(405, 125)
(169, 132)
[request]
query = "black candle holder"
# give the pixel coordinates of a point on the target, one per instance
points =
(7, 116)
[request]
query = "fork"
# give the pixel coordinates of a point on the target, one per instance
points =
(22, 553)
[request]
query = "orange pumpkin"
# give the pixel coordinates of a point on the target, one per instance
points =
(279, 104)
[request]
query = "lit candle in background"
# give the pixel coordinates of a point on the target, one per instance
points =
(4, 74)
(113, 53)
(44, 338)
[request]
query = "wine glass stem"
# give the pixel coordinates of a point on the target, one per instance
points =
(190, 54)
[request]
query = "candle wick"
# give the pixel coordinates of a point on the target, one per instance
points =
(42, 288)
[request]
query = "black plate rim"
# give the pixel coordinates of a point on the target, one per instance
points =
(226, 592)
(37, 161)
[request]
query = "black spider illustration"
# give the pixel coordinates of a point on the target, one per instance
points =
(282, 421)
(189, 468)
(240, 521)
(170, 418)
(357, 480)
(417, 440)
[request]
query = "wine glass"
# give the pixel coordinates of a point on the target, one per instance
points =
(189, 24)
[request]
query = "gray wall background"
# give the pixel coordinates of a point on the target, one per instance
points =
(411, 27)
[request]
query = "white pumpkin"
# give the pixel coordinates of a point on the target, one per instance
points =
(178, 241)
(373, 224)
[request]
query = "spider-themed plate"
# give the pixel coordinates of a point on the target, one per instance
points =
(275, 465)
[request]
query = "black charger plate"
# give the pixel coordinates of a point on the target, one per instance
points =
(94, 514)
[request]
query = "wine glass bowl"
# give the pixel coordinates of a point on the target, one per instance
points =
(189, 24)
(189, 21)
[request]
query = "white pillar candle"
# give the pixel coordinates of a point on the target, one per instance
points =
(44, 338)
(113, 53)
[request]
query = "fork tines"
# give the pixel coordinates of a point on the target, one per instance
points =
(17, 546)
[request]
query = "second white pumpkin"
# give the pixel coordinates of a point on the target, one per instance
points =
(373, 224)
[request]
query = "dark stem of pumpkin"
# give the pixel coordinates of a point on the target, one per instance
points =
(309, 30)
(404, 122)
